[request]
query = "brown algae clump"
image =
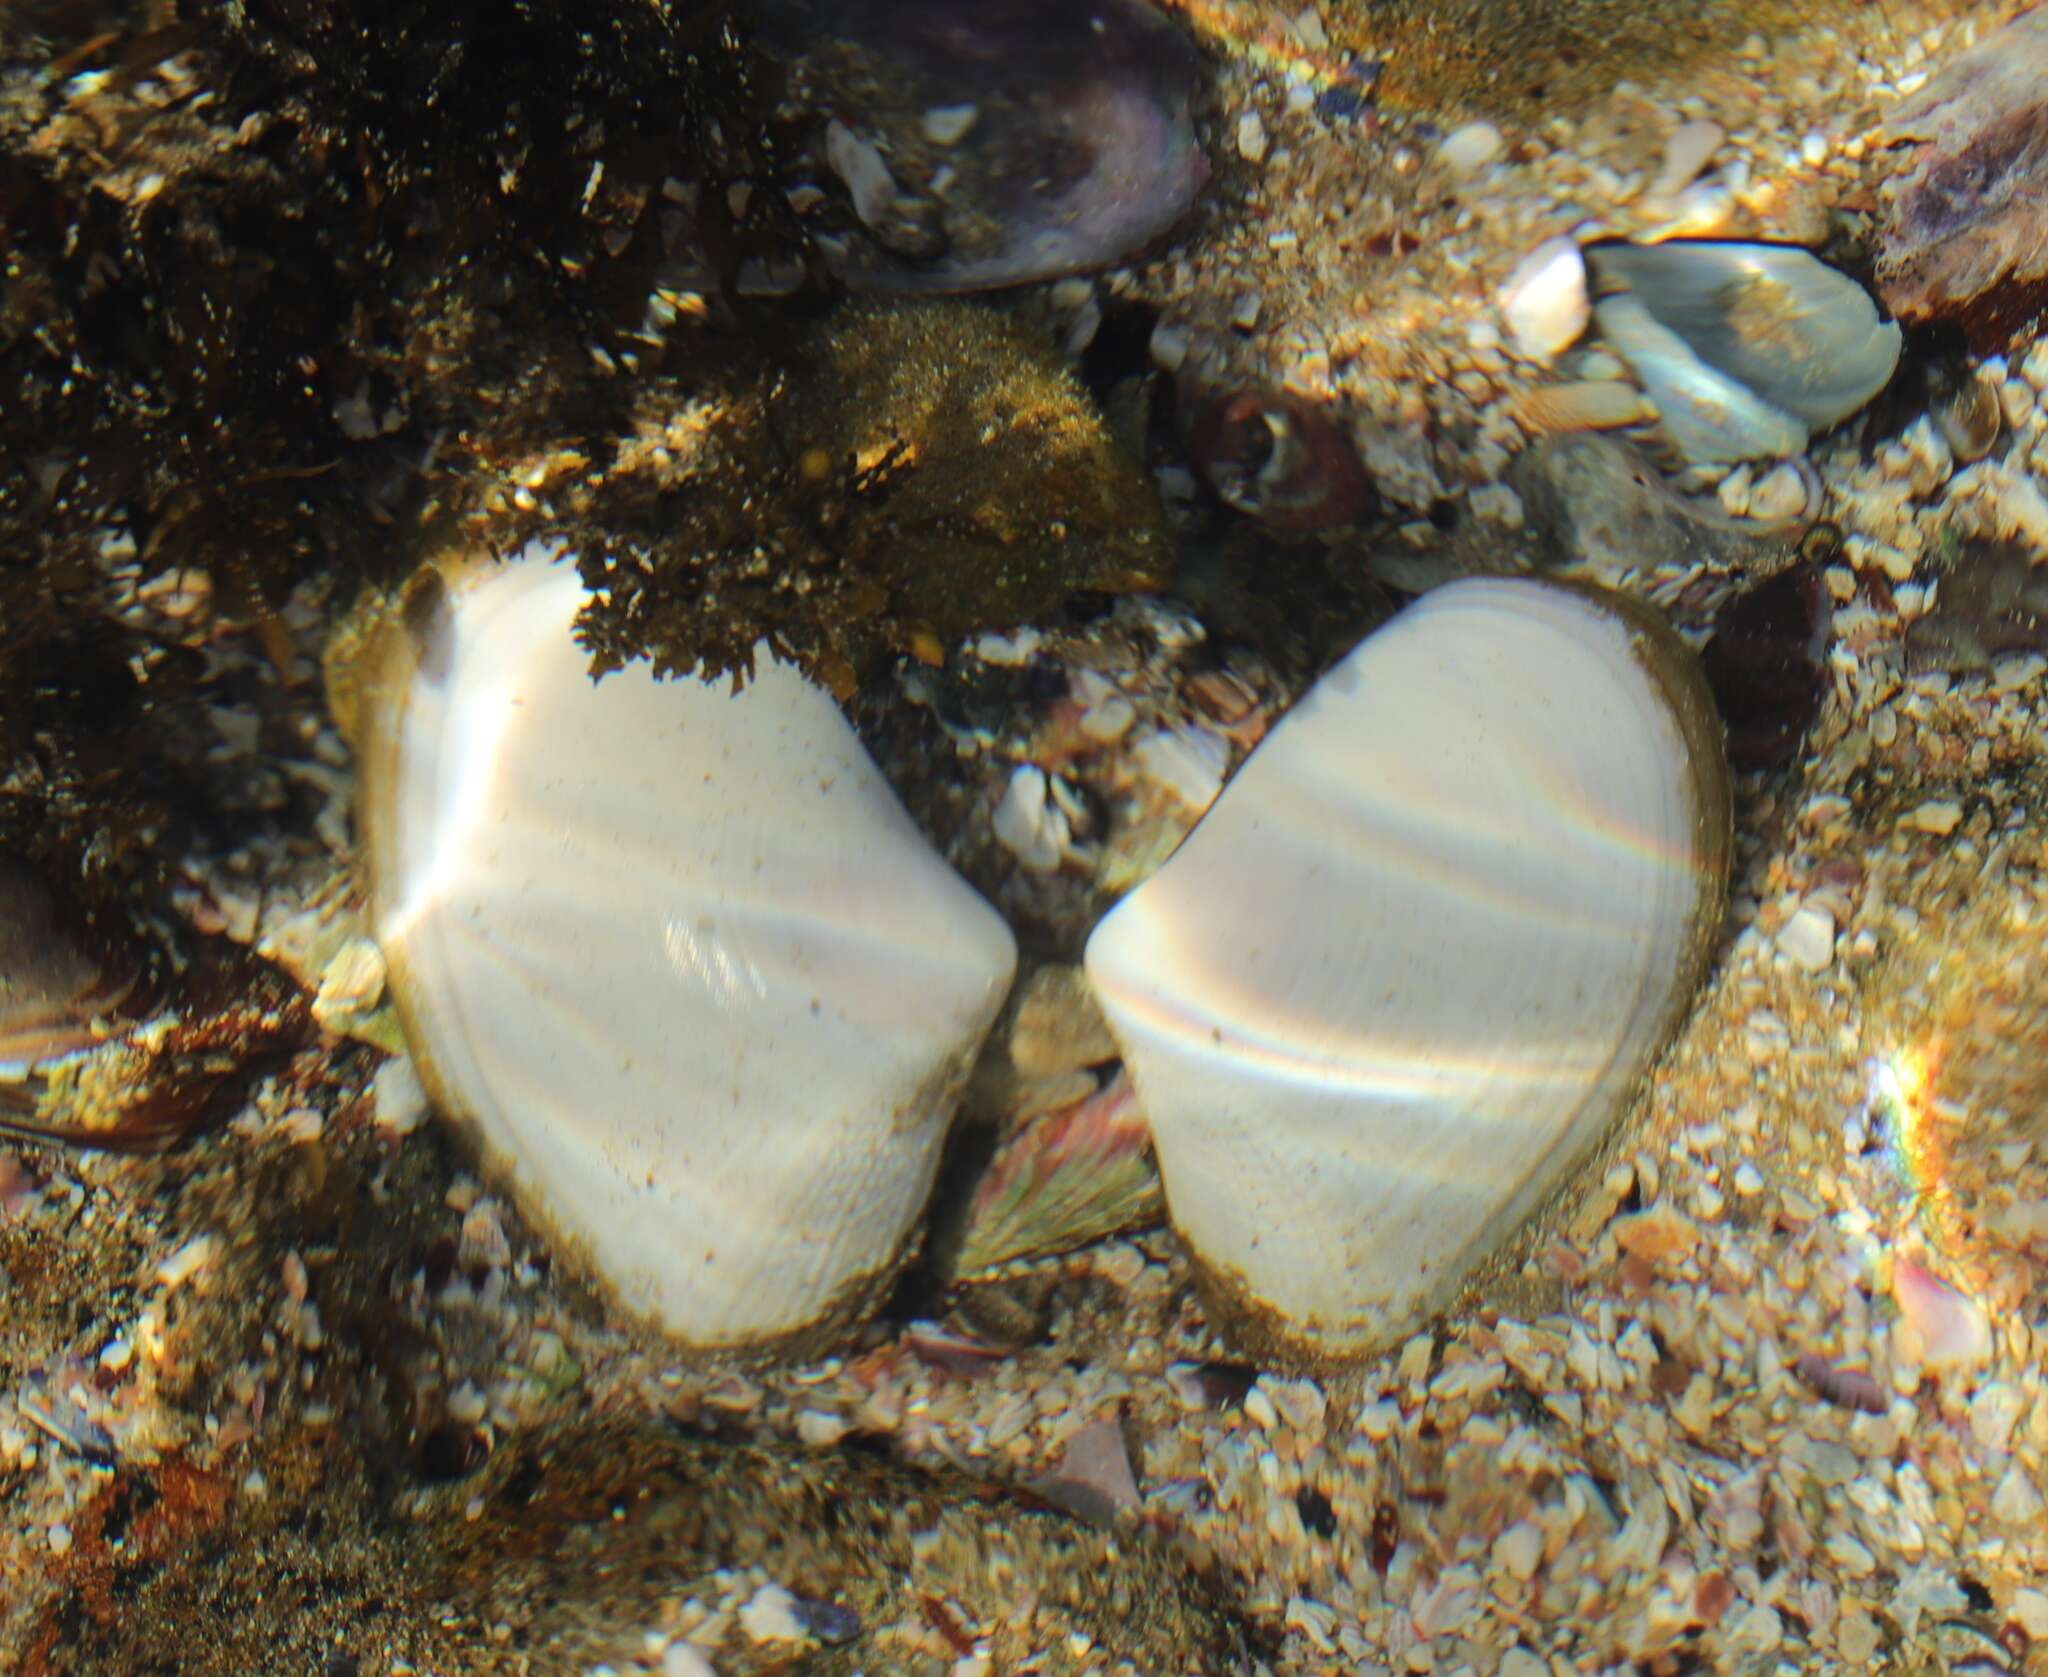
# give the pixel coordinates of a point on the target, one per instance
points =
(903, 478)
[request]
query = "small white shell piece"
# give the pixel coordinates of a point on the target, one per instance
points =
(679, 958)
(1544, 301)
(1411, 965)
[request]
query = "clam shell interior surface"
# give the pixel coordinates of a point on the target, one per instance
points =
(1409, 968)
(1744, 346)
(676, 954)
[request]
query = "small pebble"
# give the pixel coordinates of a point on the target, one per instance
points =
(399, 1100)
(1469, 149)
(350, 984)
(1251, 138)
(946, 125)
(1545, 304)
(1779, 495)
(679, 1659)
(1519, 1549)
(1939, 816)
(186, 1262)
(60, 1540)
(2030, 1612)
(300, 1125)
(819, 1428)
(2017, 1501)
(1686, 154)
(1260, 1408)
(1807, 940)
(772, 1615)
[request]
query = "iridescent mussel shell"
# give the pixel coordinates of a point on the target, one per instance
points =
(964, 148)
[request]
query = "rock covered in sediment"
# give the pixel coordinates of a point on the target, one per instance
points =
(1408, 970)
(674, 955)
(1966, 232)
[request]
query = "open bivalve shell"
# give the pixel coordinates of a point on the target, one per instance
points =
(1413, 963)
(1746, 349)
(674, 955)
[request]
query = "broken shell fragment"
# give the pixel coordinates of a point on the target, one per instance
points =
(1585, 405)
(1068, 1177)
(674, 955)
(1405, 975)
(1746, 349)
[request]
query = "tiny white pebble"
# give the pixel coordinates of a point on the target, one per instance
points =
(1780, 494)
(679, 1659)
(819, 1428)
(401, 1101)
(1807, 939)
(60, 1540)
(770, 1615)
(302, 1124)
(1251, 138)
(1519, 1549)
(1260, 1408)
(1469, 149)
(1168, 346)
(944, 125)
(1748, 1179)
(1939, 816)
(186, 1262)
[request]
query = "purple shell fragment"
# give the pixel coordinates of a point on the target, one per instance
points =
(1094, 1481)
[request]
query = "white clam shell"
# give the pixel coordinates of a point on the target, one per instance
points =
(702, 992)
(1745, 348)
(1404, 975)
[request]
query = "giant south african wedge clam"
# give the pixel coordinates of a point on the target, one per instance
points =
(1412, 964)
(675, 956)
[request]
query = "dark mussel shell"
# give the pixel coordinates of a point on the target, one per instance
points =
(950, 148)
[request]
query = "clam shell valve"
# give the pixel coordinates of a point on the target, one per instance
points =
(1747, 350)
(675, 956)
(1412, 965)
